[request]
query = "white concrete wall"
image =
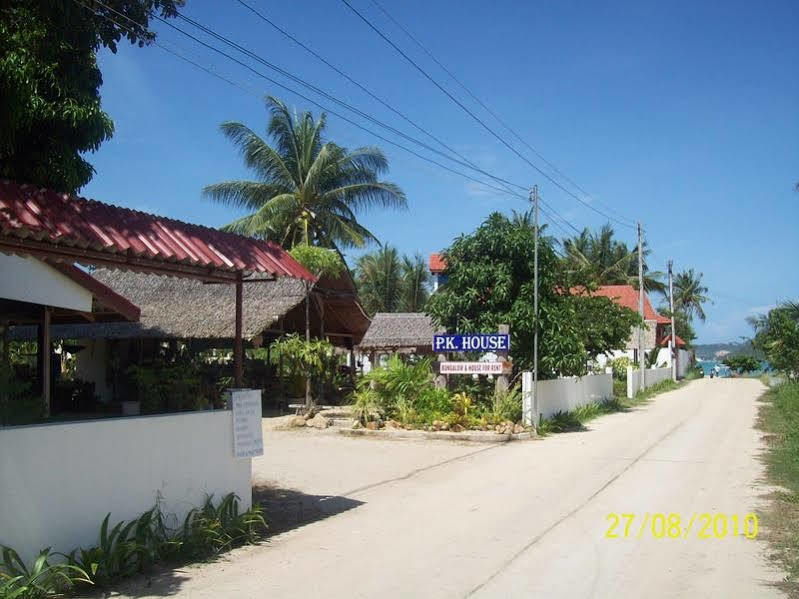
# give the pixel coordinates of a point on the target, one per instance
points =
(684, 362)
(90, 365)
(565, 394)
(58, 481)
(31, 280)
(653, 376)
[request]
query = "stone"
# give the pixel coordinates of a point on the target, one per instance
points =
(319, 421)
(457, 428)
(373, 425)
(357, 425)
(296, 421)
(518, 429)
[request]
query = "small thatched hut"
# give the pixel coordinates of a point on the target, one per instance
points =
(398, 332)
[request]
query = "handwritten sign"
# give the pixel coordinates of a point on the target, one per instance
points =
(471, 367)
(248, 437)
(491, 342)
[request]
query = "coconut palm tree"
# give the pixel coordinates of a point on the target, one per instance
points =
(690, 294)
(390, 283)
(608, 261)
(307, 190)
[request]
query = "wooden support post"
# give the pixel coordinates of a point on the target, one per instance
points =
(43, 355)
(238, 346)
(503, 380)
(441, 379)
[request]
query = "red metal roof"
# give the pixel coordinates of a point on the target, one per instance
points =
(31, 213)
(627, 296)
(437, 263)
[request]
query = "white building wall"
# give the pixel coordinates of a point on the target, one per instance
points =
(566, 394)
(91, 364)
(31, 280)
(58, 481)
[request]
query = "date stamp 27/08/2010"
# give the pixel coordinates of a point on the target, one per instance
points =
(674, 526)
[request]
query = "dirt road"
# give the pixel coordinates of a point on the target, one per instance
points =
(530, 518)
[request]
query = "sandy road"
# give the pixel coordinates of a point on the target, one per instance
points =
(529, 519)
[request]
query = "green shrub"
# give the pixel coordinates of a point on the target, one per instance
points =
(43, 579)
(507, 405)
(619, 366)
(397, 380)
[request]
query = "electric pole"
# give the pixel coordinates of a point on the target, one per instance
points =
(535, 307)
(673, 342)
(641, 354)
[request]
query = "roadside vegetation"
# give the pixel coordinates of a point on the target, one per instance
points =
(134, 547)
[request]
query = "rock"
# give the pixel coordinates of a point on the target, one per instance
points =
(373, 425)
(518, 429)
(498, 428)
(457, 428)
(318, 421)
(392, 424)
(296, 421)
(445, 426)
(357, 425)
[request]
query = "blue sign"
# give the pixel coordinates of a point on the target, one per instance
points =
(471, 342)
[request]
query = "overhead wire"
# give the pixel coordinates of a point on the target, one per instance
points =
(478, 119)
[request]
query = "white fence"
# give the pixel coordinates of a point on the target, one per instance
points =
(563, 395)
(652, 377)
(58, 481)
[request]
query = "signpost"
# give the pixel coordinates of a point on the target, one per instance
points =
(248, 439)
(493, 342)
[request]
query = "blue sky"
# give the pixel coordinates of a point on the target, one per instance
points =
(682, 115)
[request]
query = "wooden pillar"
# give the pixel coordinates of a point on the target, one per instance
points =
(238, 347)
(43, 359)
(502, 381)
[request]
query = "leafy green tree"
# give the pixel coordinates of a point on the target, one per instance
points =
(308, 190)
(607, 261)
(777, 336)
(490, 282)
(690, 294)
(742, 363)
(390, 283)
(50, 111)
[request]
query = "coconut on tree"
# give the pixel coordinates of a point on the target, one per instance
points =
(307, 190)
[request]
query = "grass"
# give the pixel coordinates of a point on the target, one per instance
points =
(779, 419)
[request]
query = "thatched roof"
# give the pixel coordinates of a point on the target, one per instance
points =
(399, 330)
(186, 308)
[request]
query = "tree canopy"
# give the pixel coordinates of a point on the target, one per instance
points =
(490, 282)
(50, 112)
(308, 190)
(777, 335)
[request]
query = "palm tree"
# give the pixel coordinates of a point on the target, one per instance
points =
(415, 280)
(390, 283)
(308, 190)
(608, 261)
(379, 279)
(690, 294)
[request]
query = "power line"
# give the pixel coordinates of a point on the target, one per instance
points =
(490, 111)
(290, 90)
(478, 119)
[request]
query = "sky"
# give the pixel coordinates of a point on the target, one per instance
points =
(681, 115)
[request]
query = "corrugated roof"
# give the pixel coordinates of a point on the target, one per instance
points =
(395, 330)
(28, 212)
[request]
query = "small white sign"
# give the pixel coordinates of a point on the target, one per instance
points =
(248, 437)
(471, 367)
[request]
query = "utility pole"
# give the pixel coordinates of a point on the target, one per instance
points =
(673, 341)
(641, 354)
(535, 307)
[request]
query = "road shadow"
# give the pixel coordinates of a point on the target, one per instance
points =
(286, 509)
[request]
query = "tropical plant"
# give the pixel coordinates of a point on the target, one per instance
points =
(690, 294)
(742, 364)
(396, 381)
(490, 282)
(213, 529)
(608, 261)
(308, 190)
(314, 360)
(777, 336)
(50, 114)
(42, 579)
(390, 283)
(507, 404)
